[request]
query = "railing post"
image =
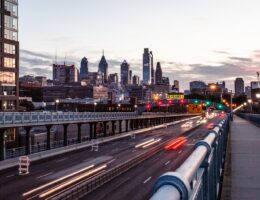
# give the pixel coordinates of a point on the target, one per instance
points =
(65, 134)
(79, 133)
(48, 127)
(2, 145)
(28, 140)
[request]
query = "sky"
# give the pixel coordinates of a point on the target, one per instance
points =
(208, 40)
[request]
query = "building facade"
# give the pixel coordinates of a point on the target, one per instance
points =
(83, 68)
(152, 69)
(239, 86)
(103, 68)
(65, 74)
(158, 74)
(146, 66)
(136, 80)
(125, 73)
(9, 56)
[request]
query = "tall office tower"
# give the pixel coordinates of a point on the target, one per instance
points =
(176, 85)
(158, 74)
(83, 68)
(239, 86)
(125, 73)
(9, 55)
(113, 79)
(152, 69)
(65, 74)
(136, 80)
(146, 66)
(102, 67)
(130, 77)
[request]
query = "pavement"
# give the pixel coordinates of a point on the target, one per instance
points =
(42, 172)
(242, 172)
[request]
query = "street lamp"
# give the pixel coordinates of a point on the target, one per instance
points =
(119, 105)
(95, 104)
(57, 101)
(135, 106)
(250, 102)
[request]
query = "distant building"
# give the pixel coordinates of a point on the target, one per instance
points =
(130, 76)
(136, 80)
(239, 86)
(197, 87)
(248, 91)
(125, 75)
(103, 68)
(165, 81)
(65, 74)
(113, 79)
(83, 68)
(176, 86)
(146, 66)
(158, 74)
(50, 94)
(93, 78)
(255, 85)
(31, 81)
(152, 69)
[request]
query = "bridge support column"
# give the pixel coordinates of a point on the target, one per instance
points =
(48, 139)
(95, 130)
(79, 133)
(90, 131)
(113, 128)
(105, 128)
(2, 144)
(28, 141)
(120, 126)
(65, 135)
(126, 125)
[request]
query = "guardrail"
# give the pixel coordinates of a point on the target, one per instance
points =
(255, 118)
(48, 117)
(199, 176)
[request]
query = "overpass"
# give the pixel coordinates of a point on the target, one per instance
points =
(28, 120)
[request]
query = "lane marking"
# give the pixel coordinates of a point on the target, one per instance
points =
(167, 163)
(179, 152)
(44, 175)
(111, 161)
(134, 150)
(9, 176)
(148, 179)
(60, 160)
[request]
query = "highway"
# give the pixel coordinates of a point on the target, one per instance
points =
(138, 182)
(13, 186)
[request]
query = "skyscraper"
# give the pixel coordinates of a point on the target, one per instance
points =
(102, 67)
(152, 68)
(130, 77)
(83, 68)
(239, 86)
(158, 74)
(136, 80)
(65, 74)
(146, 66)
(9, 55)
(125, 75)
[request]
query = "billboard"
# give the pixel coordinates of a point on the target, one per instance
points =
(175, 96)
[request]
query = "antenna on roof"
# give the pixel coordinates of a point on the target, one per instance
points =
(56, 56)
(103, 52)
(65, 59)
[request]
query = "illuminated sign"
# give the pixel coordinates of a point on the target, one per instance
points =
(175, 96)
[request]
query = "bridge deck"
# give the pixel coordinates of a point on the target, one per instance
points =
(242, 171)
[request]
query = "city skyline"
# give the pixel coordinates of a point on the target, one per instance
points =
(194, 44)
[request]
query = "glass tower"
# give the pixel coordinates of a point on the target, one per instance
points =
(9, 55)
(146, 66)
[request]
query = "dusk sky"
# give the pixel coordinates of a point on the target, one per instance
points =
(194, 40)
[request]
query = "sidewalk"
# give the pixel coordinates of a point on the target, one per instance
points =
(242, 168)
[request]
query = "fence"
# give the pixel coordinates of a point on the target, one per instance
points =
(199, 177)
(255, 118)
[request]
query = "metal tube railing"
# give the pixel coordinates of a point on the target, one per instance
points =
(207, 156)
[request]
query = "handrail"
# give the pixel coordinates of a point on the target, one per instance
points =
(206, 159)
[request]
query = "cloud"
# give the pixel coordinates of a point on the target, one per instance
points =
(221, 52)
(241, 59)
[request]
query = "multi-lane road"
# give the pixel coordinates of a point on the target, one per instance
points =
(54, 175)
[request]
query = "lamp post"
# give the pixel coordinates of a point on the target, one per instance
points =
(95, 104)
(57, 101)
(249, 101)
(135, 106)
(118, 106)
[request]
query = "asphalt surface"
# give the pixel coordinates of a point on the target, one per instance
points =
(138, 182)
(12, 186)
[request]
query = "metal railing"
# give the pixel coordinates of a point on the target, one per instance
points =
(200, 175)
(255, 118)
(14, 118)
